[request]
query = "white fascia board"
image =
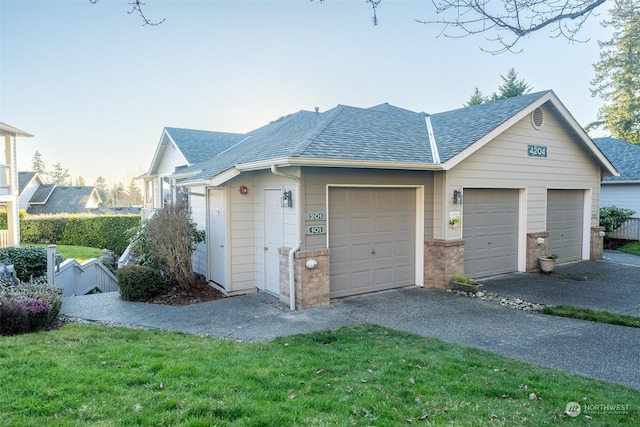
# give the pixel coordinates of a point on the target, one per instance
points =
(9, 130)
(580, 133)
(215, 181)
(358, 164)
(181, 175)
(155, 161)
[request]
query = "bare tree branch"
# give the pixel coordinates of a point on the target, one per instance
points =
(136, 7)
(511, 20)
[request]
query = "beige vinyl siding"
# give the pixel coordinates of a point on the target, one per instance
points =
(315, 198)
(241, 216)
(246, 226)
(504, 163)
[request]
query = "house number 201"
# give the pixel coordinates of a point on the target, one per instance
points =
(316, 216)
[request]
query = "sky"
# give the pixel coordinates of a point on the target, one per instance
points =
(96, 88)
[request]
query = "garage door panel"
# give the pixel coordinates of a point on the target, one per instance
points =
(339, 227)
(384, 251)
(361, 225)
(384, 224)
(380, 239)
(360, 253)
(490, 231)
(565, 212)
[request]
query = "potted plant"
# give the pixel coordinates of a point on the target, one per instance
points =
(454, 222)
(547, 262)
(465, 284)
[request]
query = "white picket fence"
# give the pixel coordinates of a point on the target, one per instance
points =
(78, 278)
(630, 230)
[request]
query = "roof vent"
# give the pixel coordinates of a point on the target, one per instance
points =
(537, 118)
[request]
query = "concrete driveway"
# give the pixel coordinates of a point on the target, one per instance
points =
(605, 352)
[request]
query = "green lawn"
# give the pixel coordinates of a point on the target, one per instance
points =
(81, 253)
(631, 248)
(92, 375)
(592, 315)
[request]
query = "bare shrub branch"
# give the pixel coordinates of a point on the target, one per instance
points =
(172, 238)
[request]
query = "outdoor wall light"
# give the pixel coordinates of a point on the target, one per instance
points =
(311, 264)
(287, 200)
(457, 197)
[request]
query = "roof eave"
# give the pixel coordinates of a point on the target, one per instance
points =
(332, 163)
(6, 129)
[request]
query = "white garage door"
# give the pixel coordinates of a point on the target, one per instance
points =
(372, 239)
(565, 213)
(490, 231)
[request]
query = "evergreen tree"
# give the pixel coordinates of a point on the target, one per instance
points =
(118, 195)
(476, 99)
(37, 164)
(59, 175)
(134, 194)
(617, 79)
(80, 181)
(103, 191)
(511, 86)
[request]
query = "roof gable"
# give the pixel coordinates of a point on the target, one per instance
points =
(625, 156)
(63, 199)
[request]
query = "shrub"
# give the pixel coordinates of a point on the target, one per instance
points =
(96, 231)
(14, 319)
(172, 237)
(29, 262)
(29, 307)
(138, 283)
(612, 217)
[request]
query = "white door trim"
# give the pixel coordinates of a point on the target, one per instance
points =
(419, 226)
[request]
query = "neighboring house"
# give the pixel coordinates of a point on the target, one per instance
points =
(9, 186)
(621, 191)
(355, 200)
(56, 199)
(29, 182)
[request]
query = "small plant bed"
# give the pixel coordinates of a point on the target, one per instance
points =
(592, 315)
(465, 284)
(95, 375)
(174, 294)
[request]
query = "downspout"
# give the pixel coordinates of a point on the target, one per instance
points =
(292, 275)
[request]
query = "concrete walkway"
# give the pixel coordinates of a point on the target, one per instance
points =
(605, 352)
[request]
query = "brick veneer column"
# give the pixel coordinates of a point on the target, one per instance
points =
(535, 250)
(311, 285)
(443, 259)
(597, 243)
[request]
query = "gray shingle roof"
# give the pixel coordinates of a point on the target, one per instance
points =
(624, 156)
(200, 145)
(457, 129)
(23, 179)
(42, 194)
(62, 199)
(383, 133)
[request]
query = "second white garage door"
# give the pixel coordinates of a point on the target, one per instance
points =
(490, 231)
(371, 238)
